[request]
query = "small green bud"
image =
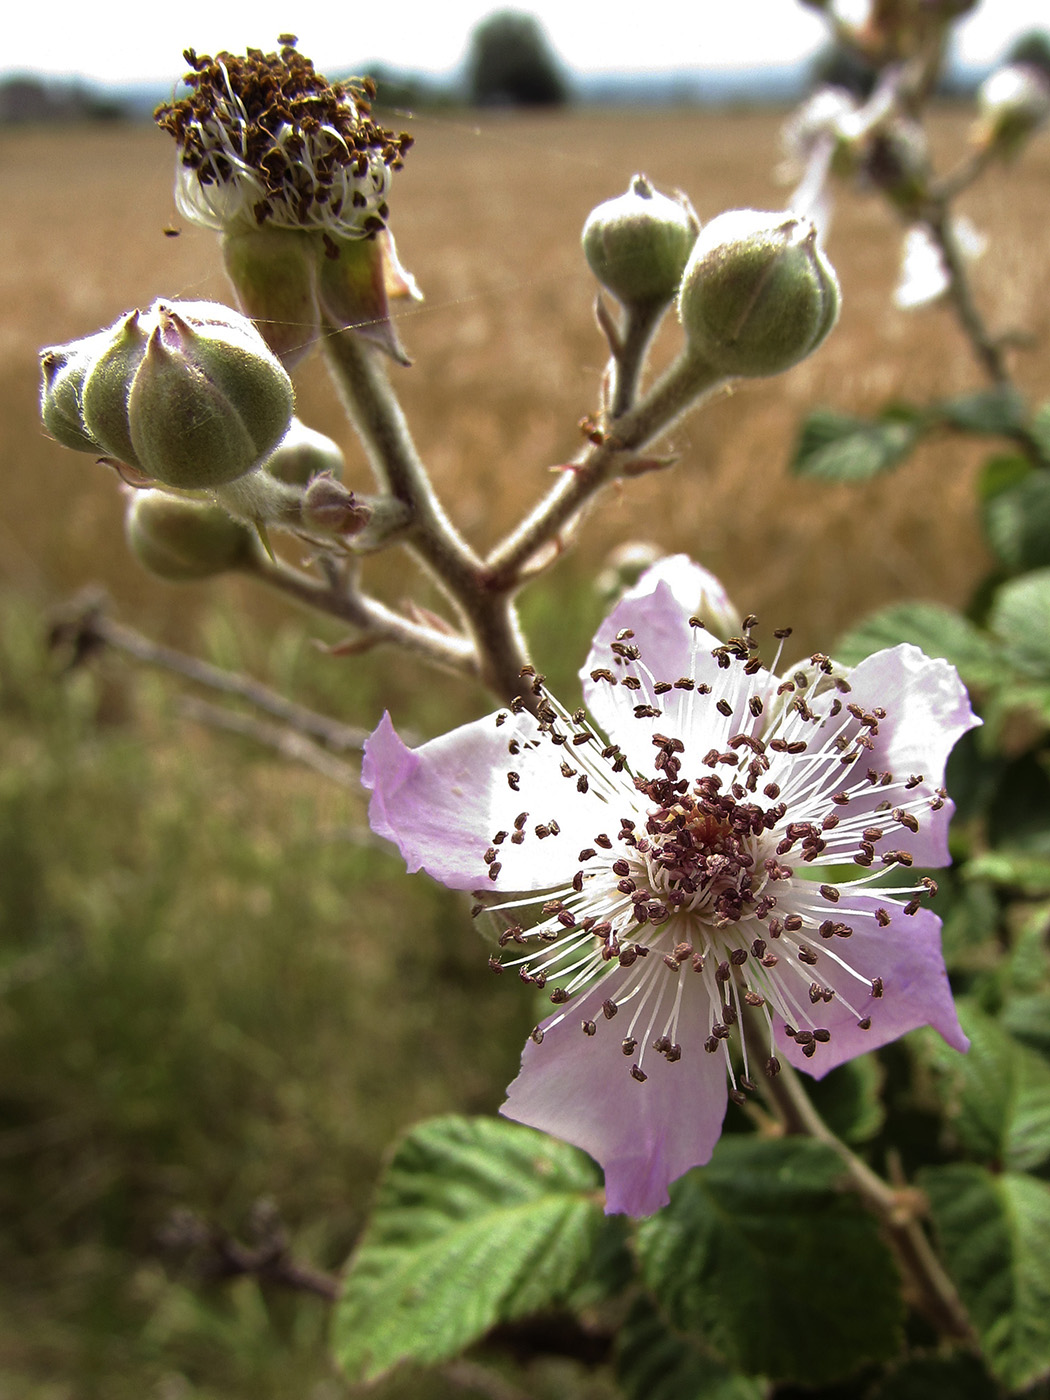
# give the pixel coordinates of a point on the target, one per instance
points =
(106, 388)
(64, 368)
(274, 276)
(187, 393)
(638, 244)
(1013, 102)
(303, 454)
(757, 295)
(180, 539)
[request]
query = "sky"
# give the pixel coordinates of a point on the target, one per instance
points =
(125, 41)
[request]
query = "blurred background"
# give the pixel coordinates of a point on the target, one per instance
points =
(215, 991)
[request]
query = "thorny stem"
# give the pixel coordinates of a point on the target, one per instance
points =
(683, 385)
(86, 628)
(932, 1290)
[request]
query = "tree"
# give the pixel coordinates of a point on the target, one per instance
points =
(511, 63)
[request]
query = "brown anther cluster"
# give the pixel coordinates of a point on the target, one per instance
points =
(276, 111)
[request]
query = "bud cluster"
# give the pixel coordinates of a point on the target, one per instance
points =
(186, 393)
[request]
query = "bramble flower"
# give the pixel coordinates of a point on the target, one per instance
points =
(264, 139)
(715, 843)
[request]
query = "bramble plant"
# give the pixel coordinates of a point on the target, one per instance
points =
(718, 870)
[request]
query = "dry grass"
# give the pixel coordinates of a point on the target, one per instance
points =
(508, 359)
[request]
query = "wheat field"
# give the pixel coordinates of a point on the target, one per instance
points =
(508, 359)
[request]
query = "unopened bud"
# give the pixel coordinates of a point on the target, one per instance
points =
(1013, 102)
(187, 393)
(181, 539)
(757, 295)
(331, 509)
(638, 244)
(303, 454)
(274, 276)
(64, 368)
(897, 162)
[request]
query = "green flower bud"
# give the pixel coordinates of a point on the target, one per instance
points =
(107, 384)
(180, 539)
(274, 275)
(188, 394)
(303, 454)
(757, 295)
(1013, 102)
(638, 244)
(64, 368)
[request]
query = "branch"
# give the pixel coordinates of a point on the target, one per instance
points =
(898, 1208)
(85, 628)
(289, 744)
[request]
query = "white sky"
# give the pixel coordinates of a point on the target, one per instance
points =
(137, 40)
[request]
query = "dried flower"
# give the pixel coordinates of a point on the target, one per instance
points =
(264, 139)
(690, 869)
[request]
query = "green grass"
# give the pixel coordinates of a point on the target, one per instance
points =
(215, 989)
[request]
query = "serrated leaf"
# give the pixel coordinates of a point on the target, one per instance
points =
(839, 447)
(655, 1363)
(477, 1221)
(970, 917)
(999, 1093)
(761, 1247)
(1017, 522)
(1020, 616)
(999, 411)
(938, 630)
(994, 1233)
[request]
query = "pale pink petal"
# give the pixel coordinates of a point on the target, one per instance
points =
(580, 1089)
(928, 711)
(442, 803)
(907, 956)
(657, 610)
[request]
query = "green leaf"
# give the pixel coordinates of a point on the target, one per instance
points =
(956, 1377)
(994, 1233)
(938, 630)
(1019, 812)
(1028, 1018)
(477, 1221)
(999, 1093)
(999, 411)
(849, 1099)
(655, 1363)
(1000, 473)
(1021, 617)
(1017, 522)
(838, 447)
(761, 1247)
(970, 917)
(1019, 870)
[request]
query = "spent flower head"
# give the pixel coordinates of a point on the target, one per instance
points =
(264, 139)
(716, 842)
